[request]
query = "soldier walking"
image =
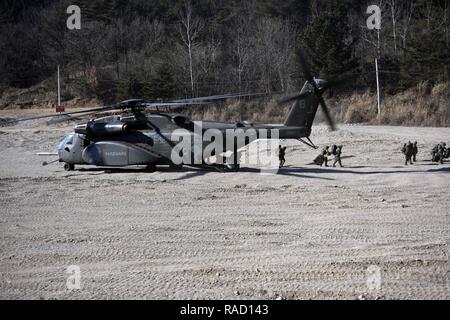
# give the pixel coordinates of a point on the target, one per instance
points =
(337, 156)
(407, 151)
(435, 153)
(414, 151)
(404, 149)
(281, 154)
(325, 154)
(442, 152)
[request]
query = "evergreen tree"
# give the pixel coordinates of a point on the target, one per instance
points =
(160, 86)
(129, 87)
(427, 58)
(328, 44)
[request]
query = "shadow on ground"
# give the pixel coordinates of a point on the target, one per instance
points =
(300, 172)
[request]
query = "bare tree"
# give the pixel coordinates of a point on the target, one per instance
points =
(142, 39)
(275, 42)
(394, 13)
(189, 29)
(406, 21)
(207, 62)
(285, 48)
(446, 22)
(242, 47)
(265, 40)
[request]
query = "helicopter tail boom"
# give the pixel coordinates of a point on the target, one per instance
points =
(303, 111)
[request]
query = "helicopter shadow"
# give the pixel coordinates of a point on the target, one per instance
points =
(191, 172)
(351, 170)
(286, 171)
(298, 172)
(444, 169)
(101, 171)
(110, 170)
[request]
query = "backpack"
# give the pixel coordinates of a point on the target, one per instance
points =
(333, 149)
(318, 160)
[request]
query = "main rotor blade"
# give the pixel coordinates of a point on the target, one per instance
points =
(326, 112)
(171, 104)
(107, 108)
(216, 97)
(300, 96)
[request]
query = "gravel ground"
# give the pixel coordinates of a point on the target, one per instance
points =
(304, 233)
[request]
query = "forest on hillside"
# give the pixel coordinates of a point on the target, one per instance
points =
(156, 49)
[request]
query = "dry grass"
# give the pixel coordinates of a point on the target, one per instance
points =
(252, 111)
(422, 105)
(419, 106)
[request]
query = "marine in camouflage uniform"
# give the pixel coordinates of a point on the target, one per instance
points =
(415, 150)
(434, 153)
(318, 160)
(408, 152)
(322, 157)
(325, 154)
(442, 152)
(337, 156)
(281, 154)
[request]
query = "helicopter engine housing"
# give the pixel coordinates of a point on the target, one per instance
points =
(106, 129)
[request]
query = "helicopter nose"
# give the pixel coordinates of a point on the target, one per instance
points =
(64, 153)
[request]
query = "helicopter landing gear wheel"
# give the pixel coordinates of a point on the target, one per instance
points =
(150, 168)
(232, 163)
(69, 166)
(233, 167)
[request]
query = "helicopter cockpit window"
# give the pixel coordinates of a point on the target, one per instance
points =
(67, 140)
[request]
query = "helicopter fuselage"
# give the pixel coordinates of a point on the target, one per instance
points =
(165, 138)
(160, 138)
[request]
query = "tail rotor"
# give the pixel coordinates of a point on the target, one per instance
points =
(318, 86)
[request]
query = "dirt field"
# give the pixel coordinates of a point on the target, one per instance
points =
(305, 233)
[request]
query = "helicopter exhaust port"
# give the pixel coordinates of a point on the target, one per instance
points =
(107, 129)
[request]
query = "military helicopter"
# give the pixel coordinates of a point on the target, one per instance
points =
(142, 137)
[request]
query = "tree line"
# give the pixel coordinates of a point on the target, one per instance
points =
(157, 49)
